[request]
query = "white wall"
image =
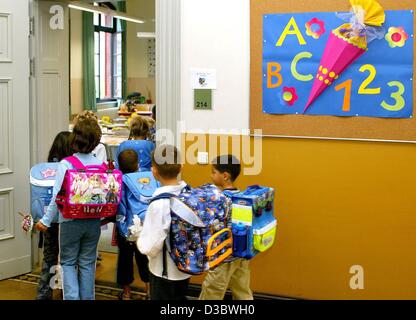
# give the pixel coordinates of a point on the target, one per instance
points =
(216, 35)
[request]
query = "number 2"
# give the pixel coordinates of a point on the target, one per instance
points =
(363, 88)
(398, 96)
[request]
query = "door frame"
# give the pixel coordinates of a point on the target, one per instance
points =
(168, 70)
(37, 110)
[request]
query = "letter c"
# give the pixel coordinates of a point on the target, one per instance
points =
(293, 67)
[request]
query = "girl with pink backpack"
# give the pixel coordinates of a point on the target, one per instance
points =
(78, 238)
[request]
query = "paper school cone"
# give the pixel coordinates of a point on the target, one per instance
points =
(338, 56)
(346, 44)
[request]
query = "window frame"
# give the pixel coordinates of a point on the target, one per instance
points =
(113, 31)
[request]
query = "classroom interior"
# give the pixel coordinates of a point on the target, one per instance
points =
(344, 193)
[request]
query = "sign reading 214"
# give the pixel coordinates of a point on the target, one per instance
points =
(378, 84)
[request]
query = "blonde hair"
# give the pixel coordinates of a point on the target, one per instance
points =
(85, 115)
(151, 122)
(139, 127)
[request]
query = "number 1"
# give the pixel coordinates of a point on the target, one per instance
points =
(346, 107)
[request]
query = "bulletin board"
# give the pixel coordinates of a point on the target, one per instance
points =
(331, 115)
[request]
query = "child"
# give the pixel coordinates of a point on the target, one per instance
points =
(78, 238)
(99, 152)
(166, 281)
(60, 149)
(152, 129)
(139, 132)
(233, 273)
(128, 163)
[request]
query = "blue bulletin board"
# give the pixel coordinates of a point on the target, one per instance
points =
(378, 84)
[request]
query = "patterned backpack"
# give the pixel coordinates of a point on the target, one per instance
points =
(89, 191)
(199, 237)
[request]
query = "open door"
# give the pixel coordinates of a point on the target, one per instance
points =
(15, 256)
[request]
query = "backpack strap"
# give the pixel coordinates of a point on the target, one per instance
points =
(165, 259)
(162, 196)
(75, 162)
(78, 165)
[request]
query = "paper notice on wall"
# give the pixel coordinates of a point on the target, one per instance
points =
(203, 79)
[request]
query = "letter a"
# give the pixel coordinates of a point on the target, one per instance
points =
(291, 28)
(57, 20)
(357, 281)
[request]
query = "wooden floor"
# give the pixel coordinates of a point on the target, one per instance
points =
(24, 287)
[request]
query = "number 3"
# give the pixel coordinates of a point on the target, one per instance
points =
(398, 96)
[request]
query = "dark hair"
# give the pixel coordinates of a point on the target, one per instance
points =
(128, 161)
(86, 135)
(229, 164)
(154, 112)
(166, 159)
(60, 147)
(139, 127)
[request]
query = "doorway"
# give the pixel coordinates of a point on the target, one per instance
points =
(123, 62)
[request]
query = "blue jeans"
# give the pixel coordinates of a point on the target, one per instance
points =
(78, 254)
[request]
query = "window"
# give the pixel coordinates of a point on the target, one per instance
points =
(108, 58)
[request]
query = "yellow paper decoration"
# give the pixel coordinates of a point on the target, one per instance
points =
(374, 12)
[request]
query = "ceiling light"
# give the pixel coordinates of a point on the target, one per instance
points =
(105, 11)
(77, 7)
(146, 35)
(135, 20)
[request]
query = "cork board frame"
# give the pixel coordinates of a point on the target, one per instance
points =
(356, 128)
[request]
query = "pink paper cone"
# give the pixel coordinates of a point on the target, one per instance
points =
(338, 56)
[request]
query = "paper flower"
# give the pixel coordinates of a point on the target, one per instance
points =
(396, 37)
(315, 28)
(346, 44)
(289, 96)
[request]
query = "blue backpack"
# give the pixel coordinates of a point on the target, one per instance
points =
(199, 237)
(253, 222)
(138, 189)
(42, 180)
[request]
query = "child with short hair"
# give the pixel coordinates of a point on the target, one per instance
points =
(166, 281)
(139, 133)
(129, 163)
(78, 239)
(60, 149)
(234, 272)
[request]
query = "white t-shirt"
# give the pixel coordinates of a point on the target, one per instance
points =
(155, 230)
(100, 153)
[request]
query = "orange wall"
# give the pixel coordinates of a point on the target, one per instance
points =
(338, 204)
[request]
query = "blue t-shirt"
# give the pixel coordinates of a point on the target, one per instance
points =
(143, 148)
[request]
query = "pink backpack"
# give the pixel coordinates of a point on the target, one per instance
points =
(89, 191)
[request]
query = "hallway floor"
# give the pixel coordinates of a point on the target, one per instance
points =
(24, 287)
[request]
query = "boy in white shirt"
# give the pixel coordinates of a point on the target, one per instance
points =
(166, 281)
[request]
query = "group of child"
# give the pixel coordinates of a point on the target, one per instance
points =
(78, 238)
